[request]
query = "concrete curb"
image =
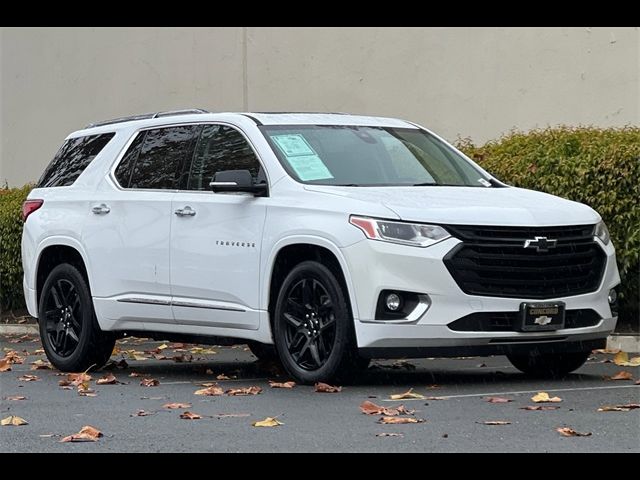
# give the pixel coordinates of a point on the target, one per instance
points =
(626, 343)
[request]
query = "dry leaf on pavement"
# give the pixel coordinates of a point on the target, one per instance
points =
(497, 422)
(190, 416)
(86, 434)
(238, 392)
(543, 397)
(498, 400)
(108, 379)
(389, 434)
(141, 413)
(76, 379)
(539, 407)
(5, 366)
(14, 421)
(409, 394)
(149, 382)
(268, 422)
(15, 398)
(622, 360)
(399, 420)
(13, 357)
(176, 406)
(622, 375)
(289, 384)
(134, 374)
(637, 382)
(28, 378)
(222, 376)
(570, 432)
(619, 408)
(211, 391)
(326, 388)
(370, 408)
(40, 365)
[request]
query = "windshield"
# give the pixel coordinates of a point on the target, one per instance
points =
(369, 156)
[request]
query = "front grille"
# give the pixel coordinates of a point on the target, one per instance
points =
(492, 261)
(508, 321)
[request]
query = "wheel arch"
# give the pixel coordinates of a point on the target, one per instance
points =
(291, 251)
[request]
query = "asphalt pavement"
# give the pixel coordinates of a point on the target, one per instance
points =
(454, 407)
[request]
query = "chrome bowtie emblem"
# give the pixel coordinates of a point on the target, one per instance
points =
(543, 320)
(541, 244)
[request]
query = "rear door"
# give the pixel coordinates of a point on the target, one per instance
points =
(128, 232)
(216, 238)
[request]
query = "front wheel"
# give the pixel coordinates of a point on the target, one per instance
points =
(69, 330)
(313, 326)
(549, 364)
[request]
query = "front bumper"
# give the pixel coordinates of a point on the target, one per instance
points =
(375, 266)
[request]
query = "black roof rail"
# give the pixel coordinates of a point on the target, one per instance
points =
(147, 116)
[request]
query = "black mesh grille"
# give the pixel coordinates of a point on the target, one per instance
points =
(507, 321)
(492, 261)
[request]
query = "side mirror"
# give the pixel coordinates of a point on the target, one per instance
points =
(237, 181)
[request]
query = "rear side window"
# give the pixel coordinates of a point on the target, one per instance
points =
(163, 154)
(124, 169)
(73, 157)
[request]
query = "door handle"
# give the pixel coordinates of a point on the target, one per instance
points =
(185, 212)
(101, 209)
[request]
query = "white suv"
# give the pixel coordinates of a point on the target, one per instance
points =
(338, 238)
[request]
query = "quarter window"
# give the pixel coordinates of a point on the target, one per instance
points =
(163, 153)
(221, 148)
(71, 160)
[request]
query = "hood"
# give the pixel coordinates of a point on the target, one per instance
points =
(470, 205)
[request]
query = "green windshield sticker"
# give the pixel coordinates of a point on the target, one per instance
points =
(293, 145)
(302, 157)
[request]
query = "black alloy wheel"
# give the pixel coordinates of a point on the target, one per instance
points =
(63, 317)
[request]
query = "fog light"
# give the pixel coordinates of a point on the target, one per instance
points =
(393, 302)
(613, 296)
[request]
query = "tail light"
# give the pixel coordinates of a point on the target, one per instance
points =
(30, 206)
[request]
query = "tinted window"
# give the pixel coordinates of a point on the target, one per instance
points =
(124, 169)
(72, 158)
(162, 155)
(221, 148)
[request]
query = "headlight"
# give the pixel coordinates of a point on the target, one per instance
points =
(602, 232)
(415, 234)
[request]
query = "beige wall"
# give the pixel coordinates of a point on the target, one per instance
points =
(476, 82)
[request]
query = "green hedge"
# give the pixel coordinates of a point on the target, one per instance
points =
(599, 167)
(11, 296)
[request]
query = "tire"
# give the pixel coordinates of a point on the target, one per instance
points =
(263, 351)
(313, 325)
(69, 330)
(549, 365)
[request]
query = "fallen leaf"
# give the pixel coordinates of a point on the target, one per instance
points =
(370, 408)
(570, 432)
(232, 415)
(40, 365)
(176, 346)
(149, 382)
(208, 371)
(496, 422)
(619, 408)
(326, 388)
(14, 421)
(108, 379)
(13, 357)
(637, 382)
(176, 406)
(222, 376)
(409, 394)
(436, 398)
(606, 350)
(135, 374)
(76, 379)
(28, 378)
(539, 407)
(622, 375)
(5, 366)
(268, 422)
(86, 392)
(622, 359)
(15, 398)
(498, 400)
(238, 392)
(190, 416)
(141, 413)
(65, 383)
(212, 391)
(543, 397)
(163, 346)
(184, 358)
(86, 434)
(112, 365)
(399, 420)
(38, 351)
(389, 434)
(289, 384)
(202, 351)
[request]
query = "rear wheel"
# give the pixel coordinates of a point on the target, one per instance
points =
(313, 326)
(549, 364)
(69, 330)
